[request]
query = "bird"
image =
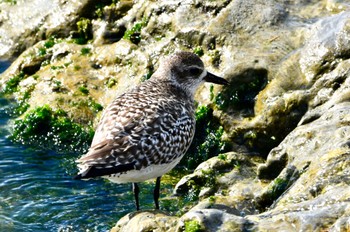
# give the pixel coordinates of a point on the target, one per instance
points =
(145, 132)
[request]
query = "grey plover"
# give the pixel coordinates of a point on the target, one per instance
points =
(145, 132)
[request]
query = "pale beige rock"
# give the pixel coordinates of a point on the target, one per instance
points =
(298, 119)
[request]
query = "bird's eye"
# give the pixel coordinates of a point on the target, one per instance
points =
(195, 71)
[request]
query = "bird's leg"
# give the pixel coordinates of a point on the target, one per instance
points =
(156, 192)
(136, 190)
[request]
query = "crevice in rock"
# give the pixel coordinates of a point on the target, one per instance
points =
(35, 65)
(273, 167)
(214, 9)
(240, 94)
(277, 188)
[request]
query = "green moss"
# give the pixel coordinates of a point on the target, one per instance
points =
(84, 31)
(83, 90)
(51, 129)
(193, 226)
(49, 43)
(56, 67)
(134, 34)
(12, 2)
(45, 63)
(215, 57)
(99, 7)
(111, 82)
(99, 10)
(250, 138)
(198, 51)
(212, 95)
(242, 95)
(209, 177)
(67, 64)
(278, 186)
(85, 51)
(77, 67)
(222, 157)
(96, 107)
(237, 165)
(88, 103)
(212, 200)
(207, 141)
(22, 102)
(57, 86)
(11, 85)
(41, 51)
(148, 74)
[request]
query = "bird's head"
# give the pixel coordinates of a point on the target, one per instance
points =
(187, 70)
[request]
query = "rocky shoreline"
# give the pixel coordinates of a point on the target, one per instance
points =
(281, 128)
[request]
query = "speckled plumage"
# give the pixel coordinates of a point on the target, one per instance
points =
(145, 132)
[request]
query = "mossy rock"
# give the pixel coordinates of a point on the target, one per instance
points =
(207, 141)
(45, 127)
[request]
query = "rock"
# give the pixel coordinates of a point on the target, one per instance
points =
(304, 181)
(211, 220)
(47, 18)
(218, 172)
(287, 102)
(145, 221)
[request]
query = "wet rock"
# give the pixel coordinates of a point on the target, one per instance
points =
(47, 18)
(303, 111)
(288, 98)
(218, 173)
(145, 221)
(212, 220)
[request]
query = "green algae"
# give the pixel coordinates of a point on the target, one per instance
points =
(241, 94)
(45, 127)
(53, 67)
(148, 74)
(198, 51)
(84, 31)
(193, 226)
(12, 2)
(277, 187)
(22, 102)
(77, 67)
(85, 51)
(207, 141)
(215, 57)
(209, 177)
(82, 89)
(111, 82)
(41, 51)
(11, 85)
(88, 103)
(99, 7)
(134, 33)
(50, 42)
(222, 157)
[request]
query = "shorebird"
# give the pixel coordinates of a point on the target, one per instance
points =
(145, 132)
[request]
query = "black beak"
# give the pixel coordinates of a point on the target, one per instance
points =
(215, 79)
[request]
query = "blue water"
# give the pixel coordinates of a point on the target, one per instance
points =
(37, 192)
(4, 65)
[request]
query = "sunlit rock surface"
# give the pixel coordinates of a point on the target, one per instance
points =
(285, 113)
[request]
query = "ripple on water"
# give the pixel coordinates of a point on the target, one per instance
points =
(36, 193)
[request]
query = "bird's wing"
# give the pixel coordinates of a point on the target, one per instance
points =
(133, 134)
(113, 131)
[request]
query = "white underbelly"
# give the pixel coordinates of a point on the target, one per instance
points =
(150, 172)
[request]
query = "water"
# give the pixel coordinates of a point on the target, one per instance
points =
(37, 192)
